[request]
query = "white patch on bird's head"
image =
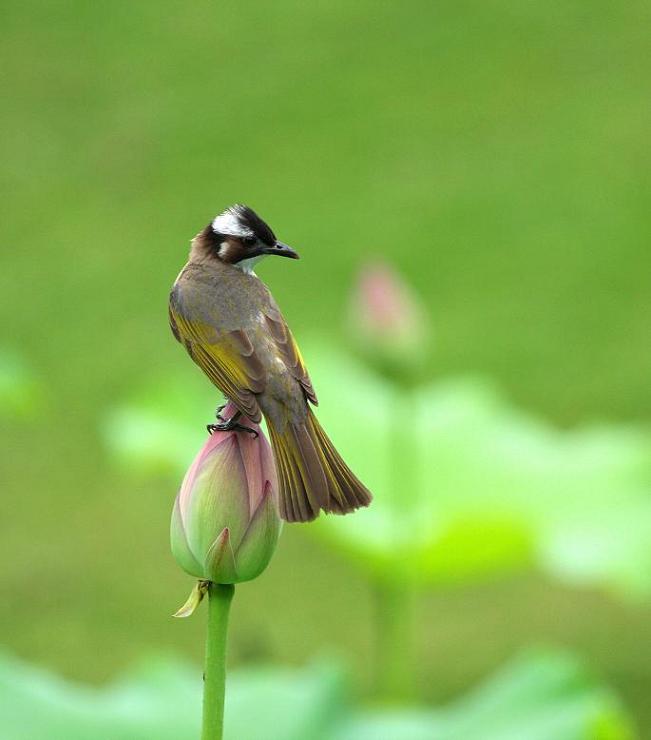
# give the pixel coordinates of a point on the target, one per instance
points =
(230, 223)
(240, 237)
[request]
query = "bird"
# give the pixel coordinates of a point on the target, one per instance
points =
(232, 328)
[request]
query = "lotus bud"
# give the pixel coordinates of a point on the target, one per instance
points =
(388, 320)
(225, 523)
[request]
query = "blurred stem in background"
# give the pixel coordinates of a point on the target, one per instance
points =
(396, 597)
(395, 649)
(219, 604)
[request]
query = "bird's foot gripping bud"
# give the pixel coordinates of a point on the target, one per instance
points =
(230, 425)
(226, 427)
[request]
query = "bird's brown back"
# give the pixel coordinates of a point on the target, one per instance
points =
(232, 328)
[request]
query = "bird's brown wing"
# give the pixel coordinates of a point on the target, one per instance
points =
(226, 357)
(288, 349)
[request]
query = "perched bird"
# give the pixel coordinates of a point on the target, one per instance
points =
(231, 327)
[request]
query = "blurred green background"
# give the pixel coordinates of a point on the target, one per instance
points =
(495, 153)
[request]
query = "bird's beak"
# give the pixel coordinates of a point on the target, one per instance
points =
(281, 250)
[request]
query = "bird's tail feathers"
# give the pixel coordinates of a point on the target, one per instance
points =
(311, 474)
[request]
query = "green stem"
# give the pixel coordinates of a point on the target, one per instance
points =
(395, 605)
(396, 600)
(219, 602)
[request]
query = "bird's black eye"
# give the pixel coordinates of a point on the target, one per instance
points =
(249, 240)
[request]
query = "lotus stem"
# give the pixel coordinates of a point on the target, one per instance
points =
(394, 665)
(219, 602)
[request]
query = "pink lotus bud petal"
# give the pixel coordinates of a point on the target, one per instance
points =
(227, 504)
(257, 544)
(180, 547)
(205, 514)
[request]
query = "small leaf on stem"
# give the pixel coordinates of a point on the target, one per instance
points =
(194, 599)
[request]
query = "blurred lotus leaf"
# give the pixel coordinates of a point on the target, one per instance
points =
(465, 484)
(161, 699)
(160, 427)
(284, 703)
(20, 392)
(542, 696)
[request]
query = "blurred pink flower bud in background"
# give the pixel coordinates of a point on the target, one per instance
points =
(388, 320)
(225, 523)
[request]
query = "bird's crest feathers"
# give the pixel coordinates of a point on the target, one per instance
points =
(241, 221)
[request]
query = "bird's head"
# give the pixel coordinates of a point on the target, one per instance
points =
(238, 236)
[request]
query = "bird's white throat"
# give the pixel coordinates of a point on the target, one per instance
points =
(248, 265)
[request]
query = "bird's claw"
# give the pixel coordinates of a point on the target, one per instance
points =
(230, 426)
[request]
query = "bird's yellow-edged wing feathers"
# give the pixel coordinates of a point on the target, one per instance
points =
(229, 359)
(288, 349)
